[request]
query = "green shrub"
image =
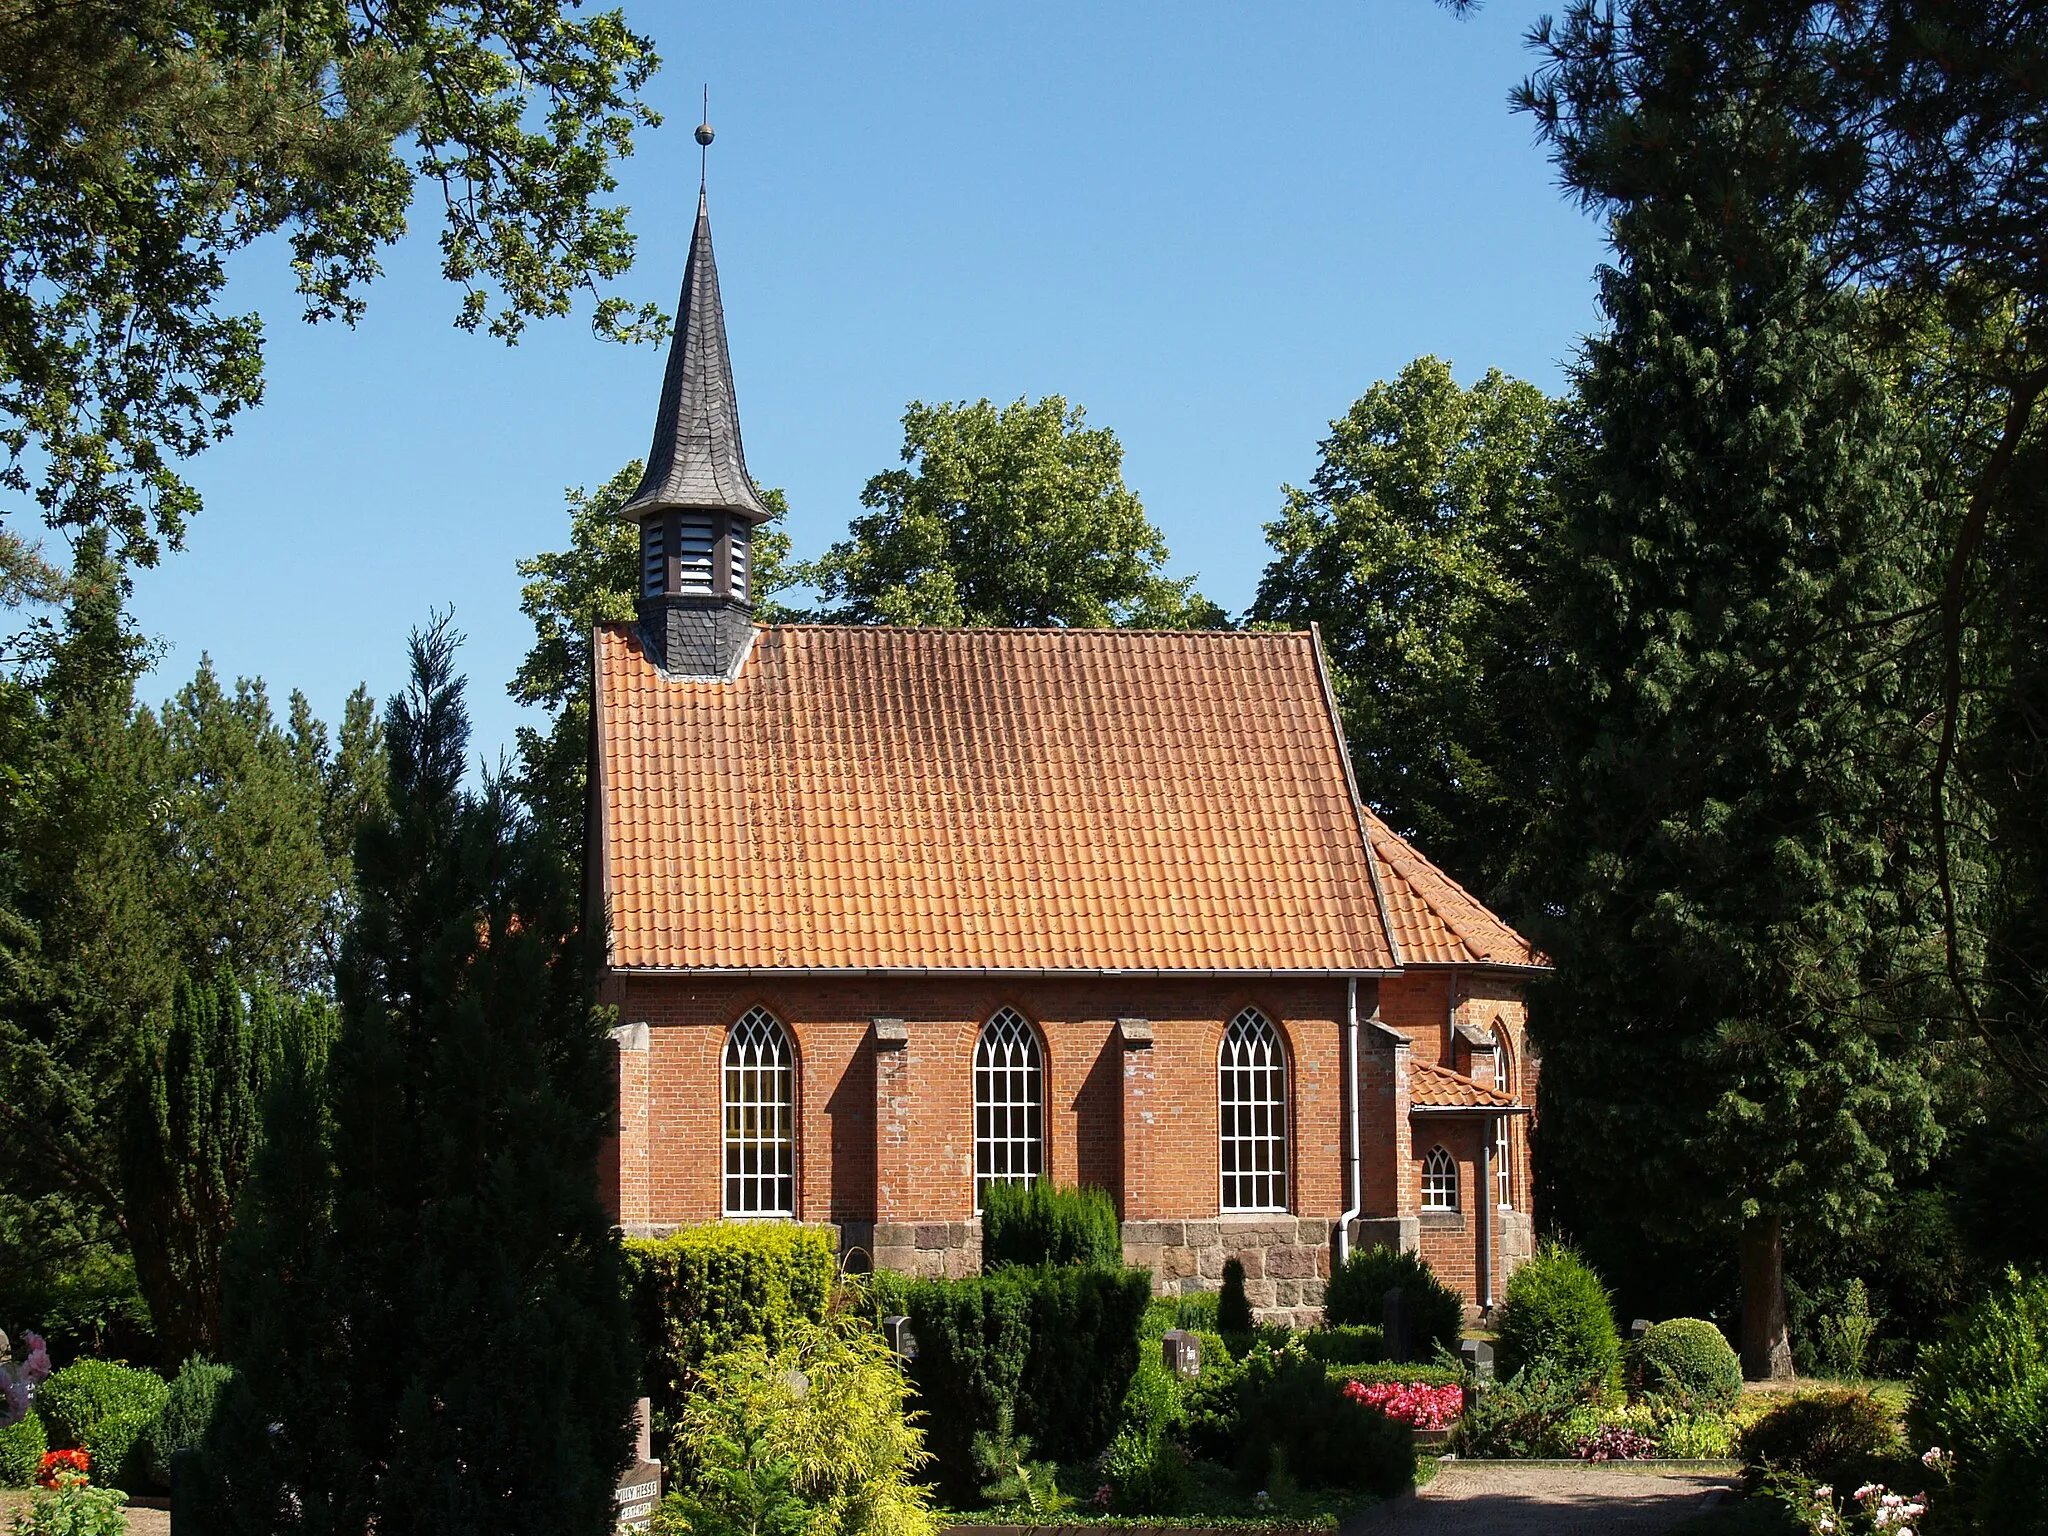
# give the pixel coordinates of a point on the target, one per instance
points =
(1294, 1422)
(76, 1398)
(1541, 1410)
(1208, 1408)
(1822, 1434)
(1056, 1347)
(1033, 1224)
(185, 1416)
(115, 1443)
(1147, 1473)
(76, 1510)
(1982, 1396)
(1357, 1295)
(1233, 1311)
(1557, 1310)
(1197, 1313)
(1345, 1344)
(1687, 1361)
(21, 1451)
(1380, 1370)
(706, 1290)
(1842, 1339)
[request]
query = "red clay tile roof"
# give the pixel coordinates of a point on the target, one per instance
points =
(883, 798)
(1433, 1087)
(1436, 921)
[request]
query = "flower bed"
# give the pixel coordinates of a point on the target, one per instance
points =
(1415, 1404)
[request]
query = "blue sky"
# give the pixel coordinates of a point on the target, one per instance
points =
(1212, 225)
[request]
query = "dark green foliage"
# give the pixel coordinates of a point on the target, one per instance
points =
(1293, 1417)
(1823, 1434)
(1732, 868)
(1345, 1344)
(1035, 1223)
(1686, 1361)
(21, 1450)
(1523, 1415)
(1556, 1309)
(1358, 1289)
(1057, 1347)
(702, 1290)
(1233, 1312)
(1146, 1471)
(1011, 1478)
(1982, 1396)
(1423, 1375)
(1209, 1408)
(1011, 515)
(193, 1123)
(1411, 548)
(76, 1398)
(185, 1417)
(487, 1368)
(120, 1459)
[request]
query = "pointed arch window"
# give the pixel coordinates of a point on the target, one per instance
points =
(1251, 1102)
(1009, 1104)
(1503, 1138)
(760, 1118)
(1439, 1181)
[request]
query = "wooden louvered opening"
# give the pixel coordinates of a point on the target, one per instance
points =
(696, 538)
(653, 570)
(740, 543)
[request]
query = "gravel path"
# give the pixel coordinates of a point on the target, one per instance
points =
(1473, 1500)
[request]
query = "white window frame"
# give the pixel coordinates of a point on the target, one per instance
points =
(1503, 1154)
(1251, 1115)
(1009, 1103)
(1439, 1180)
(759, 1076)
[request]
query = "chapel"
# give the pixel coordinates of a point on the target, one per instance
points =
(891, 914)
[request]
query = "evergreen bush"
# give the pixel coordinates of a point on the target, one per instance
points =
(115, 1444)
(1409, 1375)
(1056, 1348)
(1982, 1396)
(1035, 1224)
(1539, 1411)
(706, 1290)
(86, 1392)
(185, 1417)
(1346, 1344)
(21, 1450)
(1557, 1310)
(1295, 1422)
(1687, 1362)
(1823, 1435)
(1357, 1296)
(1233, 1311)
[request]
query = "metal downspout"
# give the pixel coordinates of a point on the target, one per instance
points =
(1351, 1090)
(1484, 1208)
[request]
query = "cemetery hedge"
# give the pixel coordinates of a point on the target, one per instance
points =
(1038, 1223)
(1357, 1293)
(1056, 1346)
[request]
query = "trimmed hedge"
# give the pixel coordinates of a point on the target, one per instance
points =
(1982, 1395)
(119, 1457)
(86, 1392)
(1357, 1296)
(702, 1291)
(21, 1451)
(1556, 1309)
(1346, 1344)
(1686, 1361)
(1403, 1375)
(186, 1415)
(1033, 1224)
(1294, 1417)
(1056, 1346)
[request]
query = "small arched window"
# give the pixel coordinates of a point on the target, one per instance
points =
(1503, 1139)
(760, 1118)
(1009, 1104)
(1439, 1181)
(1503, 1060)
(1251, 1102)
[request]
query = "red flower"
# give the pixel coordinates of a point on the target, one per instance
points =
(62, 1466)
(1410, 1403)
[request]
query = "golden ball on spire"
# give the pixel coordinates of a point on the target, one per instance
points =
(704, 134)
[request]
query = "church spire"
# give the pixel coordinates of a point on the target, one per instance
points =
(697, 462)
(697, 507)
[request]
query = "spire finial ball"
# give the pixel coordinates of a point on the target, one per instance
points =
(704, 134)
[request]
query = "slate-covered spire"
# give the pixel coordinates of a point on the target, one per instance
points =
(696, 462)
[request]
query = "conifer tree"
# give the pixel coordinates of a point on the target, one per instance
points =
(489, 1357)
(1730, 876)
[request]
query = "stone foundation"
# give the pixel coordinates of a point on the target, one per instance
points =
(1286, 1261)
(926, 1250)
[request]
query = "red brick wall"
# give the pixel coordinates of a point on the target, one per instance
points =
(889, 1135)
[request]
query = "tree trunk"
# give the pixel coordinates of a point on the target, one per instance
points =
(1766, 1346)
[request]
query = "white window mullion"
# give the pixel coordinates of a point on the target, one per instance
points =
(1251, 1092)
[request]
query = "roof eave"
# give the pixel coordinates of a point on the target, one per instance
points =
(1048, 972)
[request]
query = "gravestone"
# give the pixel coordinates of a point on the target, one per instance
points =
(1637, 1329)
(1478, 1357)
(1394, 1323)
(902, 1342)
(640, 1486)
(1181, 1352)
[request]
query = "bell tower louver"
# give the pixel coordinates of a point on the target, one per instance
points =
(696, 506)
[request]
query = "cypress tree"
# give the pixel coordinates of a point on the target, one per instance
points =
(1728, 871)
(489, 1363)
